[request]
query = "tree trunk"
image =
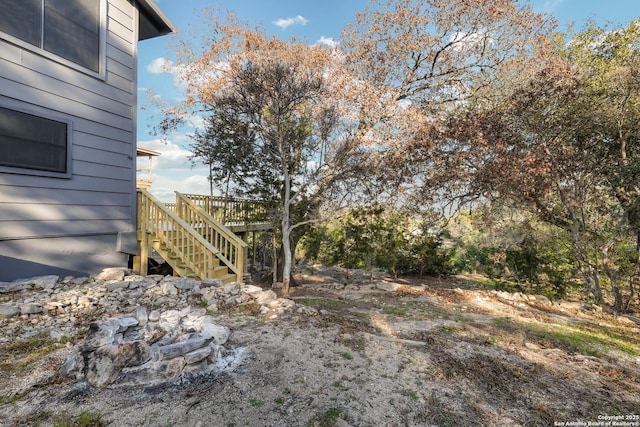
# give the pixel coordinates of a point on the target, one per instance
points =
(634, 276)
(618, 302)
(286, 232)
(294, 237)
(211, 179)
(581, 259)
(275, 260)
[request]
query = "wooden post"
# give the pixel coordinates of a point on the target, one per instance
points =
(245, 252)
(141, 261)
(144, 253)
(253, 251)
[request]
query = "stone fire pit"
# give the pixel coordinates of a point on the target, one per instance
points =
(139, 330)
(152, 348)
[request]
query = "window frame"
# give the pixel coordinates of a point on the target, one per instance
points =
(48, 115)
(102, 48)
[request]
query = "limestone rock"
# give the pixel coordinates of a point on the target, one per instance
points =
(232, 288)
(115, 273)
(141, 315)
(103, 333)
(132, 353)
(6, 287)
(7, 311)
(265, 297)
(178, 349)
(210, 330)
(112, 285)
(169, 320)
(129, 345)
(72, 366)
(101, 369)
(197, 355)
(385, 286)
(79, 281)
(285, 303)
(31, 309)
(209, 283)
(125, 323)
(45, 282)
(252, 290)
(185, 284)
(169, 369)
(39, 282)
(168, 288)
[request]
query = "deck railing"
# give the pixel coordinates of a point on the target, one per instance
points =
(228, 210)
(230, 249)
(157, 223)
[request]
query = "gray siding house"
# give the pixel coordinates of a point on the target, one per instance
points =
(68, 133)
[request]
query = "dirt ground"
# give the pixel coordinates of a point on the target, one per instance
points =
(356, 352)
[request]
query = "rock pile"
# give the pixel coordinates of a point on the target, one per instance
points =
(150, 348)
(137, 330)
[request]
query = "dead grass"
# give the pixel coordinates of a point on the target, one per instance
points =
(444, 352)
(22, 353)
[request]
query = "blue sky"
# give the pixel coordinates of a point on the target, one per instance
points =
(309, 20)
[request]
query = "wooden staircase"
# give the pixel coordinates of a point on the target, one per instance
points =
(189, 239)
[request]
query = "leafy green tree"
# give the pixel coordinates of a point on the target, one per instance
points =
(563, 145)
(374, 237)
(225, 146)
(274, 103)
(513, 246)
(428, 256)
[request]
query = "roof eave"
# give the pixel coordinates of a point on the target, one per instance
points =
(153, 23)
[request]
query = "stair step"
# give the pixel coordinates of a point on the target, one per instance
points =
(219, 271)
(168, 241)
(227, 278)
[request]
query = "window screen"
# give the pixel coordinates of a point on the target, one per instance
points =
(67, 28)
(22, 19)
(32, 142)
(72, 30)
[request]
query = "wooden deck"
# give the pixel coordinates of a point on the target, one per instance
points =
(198, 235)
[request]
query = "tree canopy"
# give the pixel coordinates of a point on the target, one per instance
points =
(441, 105)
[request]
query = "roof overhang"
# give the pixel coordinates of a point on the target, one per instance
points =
(152, 22)
(146, 152)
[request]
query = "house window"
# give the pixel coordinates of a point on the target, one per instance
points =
(67, 28)
(33, 142)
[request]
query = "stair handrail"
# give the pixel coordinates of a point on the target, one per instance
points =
(194, 251)
(231, 250)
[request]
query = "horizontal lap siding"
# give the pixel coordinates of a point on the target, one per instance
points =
(71, 197)
(64, 97)
(16, 212)
(45, 229)
(82, 256)
(100, 196)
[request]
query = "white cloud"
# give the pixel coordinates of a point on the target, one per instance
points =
(462, 40)
(286, 23)
(173, 171)
(197, 181)
(196, 122)
(182, 76)
(172, 156)
(164, 186)
(328, 41)
(160, 65)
